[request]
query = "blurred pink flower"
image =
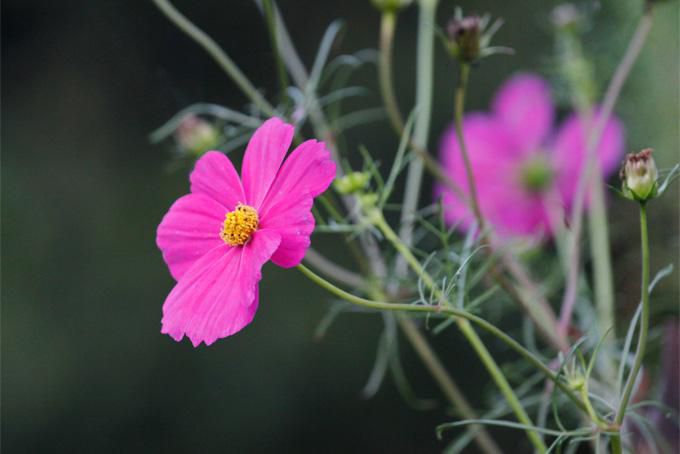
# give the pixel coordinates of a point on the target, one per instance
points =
(523, 170)
(216, 239)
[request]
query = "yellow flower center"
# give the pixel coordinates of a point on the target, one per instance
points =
(239, 225)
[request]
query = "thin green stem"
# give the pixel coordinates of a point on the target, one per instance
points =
(388, 23)
(591, 178)
(446, 383)
(270, 17)
(467, 330)
(216, 53)
(459, 110)
(644, 319)
(448, 311)
(616, 444)
(424, 84)
(537, 309)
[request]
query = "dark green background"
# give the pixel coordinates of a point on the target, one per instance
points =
(84, 367)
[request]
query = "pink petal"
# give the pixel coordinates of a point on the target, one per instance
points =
(524, 105)
(307, 172)
(263, 157)
(217, 296)
(214, 175)
(189, 229)
(495, 159)
(570, 151)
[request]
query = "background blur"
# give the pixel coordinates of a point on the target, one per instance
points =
(84, 366)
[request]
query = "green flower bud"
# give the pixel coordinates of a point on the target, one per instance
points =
(352, 182)
(196, 135)
(576, 382)
(639, 176)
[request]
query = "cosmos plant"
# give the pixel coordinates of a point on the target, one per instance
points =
(511, 183)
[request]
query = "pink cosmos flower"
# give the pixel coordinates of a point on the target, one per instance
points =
(523, 170)
(216, 239)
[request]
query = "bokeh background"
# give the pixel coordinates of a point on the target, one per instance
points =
(84, 367)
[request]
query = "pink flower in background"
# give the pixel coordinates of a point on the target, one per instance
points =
(216, 239)
(522, 168)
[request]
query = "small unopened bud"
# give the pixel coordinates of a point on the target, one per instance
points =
(639, 176)
(391, 6)
(352, 182)
(566, 16)
(196, 135)
(464, 37)
(576, 381)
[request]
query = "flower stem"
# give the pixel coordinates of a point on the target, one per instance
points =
(388, 23)
(424, 79)
(270, 16)
(459, 110)
(451, 312)
(216, 52)
(644, 319)
(590, 178)
(537, 309)
(446, 383)
(465, 327)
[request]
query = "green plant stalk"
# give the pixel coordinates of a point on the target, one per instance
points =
(467, 330)
(446, 383)
(388, 22)
(216, 52)
(644, 318)
(269, 12)
(541, 314)
(424, 80)
(459, 110)
(414, 336)
(616, 444)
(451, 312)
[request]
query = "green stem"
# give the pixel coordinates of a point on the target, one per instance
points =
(388, 23)
(424, 83)
(538, 310)
(446, 383)
(644, 319)
(269, 12)
(467, 330)
(459, 110)
(216, 53)
(451, 312)
(616, 444)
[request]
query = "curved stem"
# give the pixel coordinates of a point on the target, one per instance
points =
(216, 53)
(446, 383)
(388, 22)
(270, 17)
(451, 312)
(644, 319)
(465, 328)
(459, 110)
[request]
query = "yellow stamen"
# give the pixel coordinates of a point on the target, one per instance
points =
(239, 225)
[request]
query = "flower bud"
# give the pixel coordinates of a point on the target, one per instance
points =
(639, 176)
(352, 182)
(464, 37)
(576, 381)
(196, 135)
(566, 16)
